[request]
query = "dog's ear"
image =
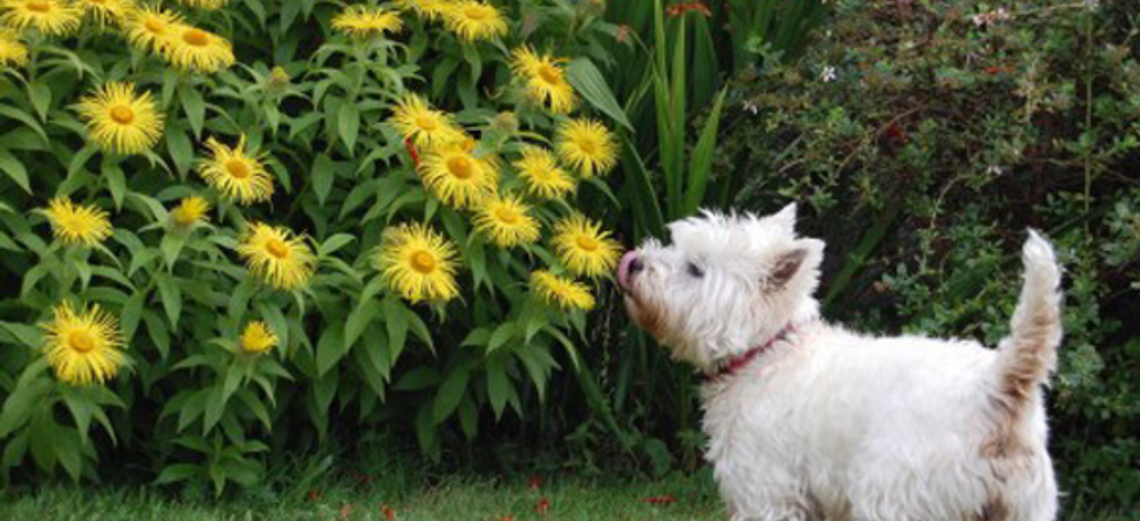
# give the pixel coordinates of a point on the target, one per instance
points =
(786, 219)
(787, 265)
(805, 253)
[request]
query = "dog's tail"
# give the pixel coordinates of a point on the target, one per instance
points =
(1029, 354)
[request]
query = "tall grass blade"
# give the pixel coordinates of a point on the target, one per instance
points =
(589, 82)
(700, 166)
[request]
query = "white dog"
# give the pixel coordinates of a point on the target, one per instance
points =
(809, 421)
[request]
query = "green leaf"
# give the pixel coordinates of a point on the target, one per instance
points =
(645, 207)
(324, 173)
(116, 182)
(30, 336)
(195, 107)
(426, 434)
(177, 472)
(588, 80)
(181, 149)
(348, 124)
(159, 334)
(468, 417)
(417, 379)
(131, 314)
(40, 95)
(448, 396)
(15, 169)
(358, 320)
(700, 165)
(502, 334)
(171, 246)
(330, 348)
(171, 295)
(498, 386)
(67, 453)
(25, 118)
(397, 323)
(334, 243)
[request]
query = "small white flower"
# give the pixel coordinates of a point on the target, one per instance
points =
(828, 75)
(994, 170)
(751, 107)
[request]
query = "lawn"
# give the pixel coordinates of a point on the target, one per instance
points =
(358, 498)
(673, 499)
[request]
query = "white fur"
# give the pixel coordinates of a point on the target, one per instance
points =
(830, 424)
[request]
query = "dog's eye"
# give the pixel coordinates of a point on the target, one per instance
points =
(694, 270)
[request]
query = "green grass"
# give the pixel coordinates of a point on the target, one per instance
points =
(466, 500)
(693, 499)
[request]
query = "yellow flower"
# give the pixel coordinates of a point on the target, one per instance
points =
(257, 338)
(560, 291)
(203, 4)
(587, 146)
(427, 128)
(83, 345)
(361, 21)
(278, 257)
(584, 248)
(541, 174)
(459, 178)
(76, 224)
(107, 12)
(51, 17)
(236, 174)
(426, 9)
(190, 211)
(13, 52)
(545, 80)
(506, 222)
(149, 27)
(119, 121)
(194, 49)
(418, 263)
(473, 20)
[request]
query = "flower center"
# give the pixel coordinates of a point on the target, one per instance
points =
(427, 123)
(423, 262)
(122, 114)
(549, 73)
(237, 168)
(587, 243)
(588, 146)
(507, 215)
(277, 248)
(196, 37)
(477, 13)
(154, 25)
(39, 6)
(80, 341)
(460, 167)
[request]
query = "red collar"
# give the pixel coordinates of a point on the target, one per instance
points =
(737, 363)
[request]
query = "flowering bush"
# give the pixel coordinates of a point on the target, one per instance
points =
(226, 227)
(925, 138)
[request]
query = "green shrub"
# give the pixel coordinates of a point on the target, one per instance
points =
(262, 238)
(924, 139)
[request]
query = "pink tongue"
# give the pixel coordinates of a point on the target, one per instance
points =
(623, 268)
